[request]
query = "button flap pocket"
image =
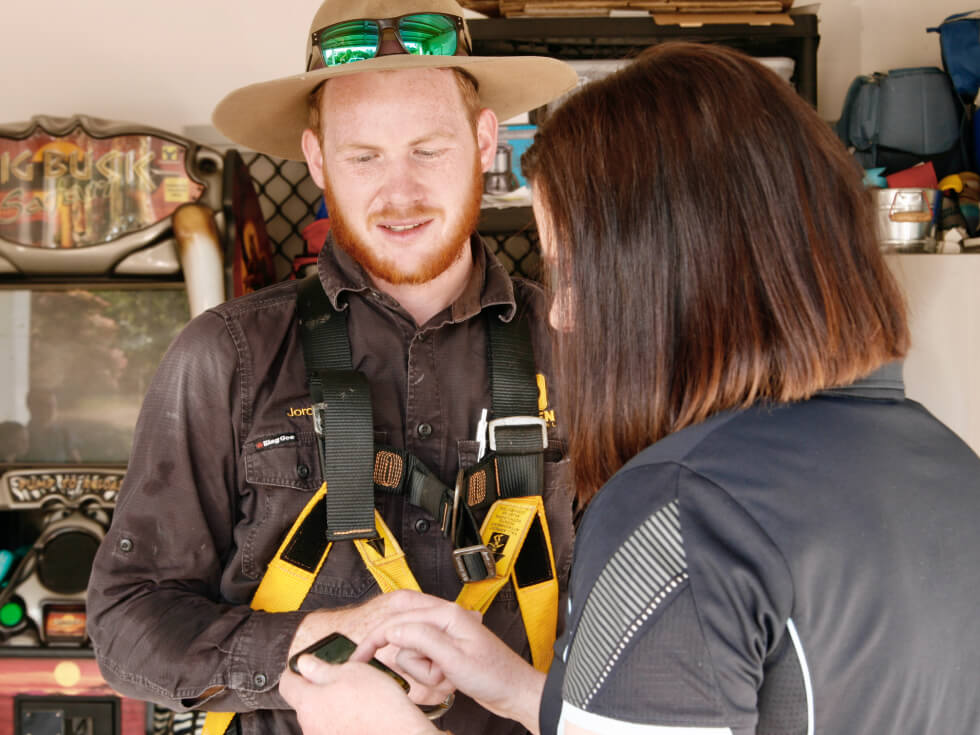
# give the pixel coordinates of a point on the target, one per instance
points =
(287, 459)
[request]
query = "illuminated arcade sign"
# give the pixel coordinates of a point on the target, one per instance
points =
(71, 189)
(33, 489)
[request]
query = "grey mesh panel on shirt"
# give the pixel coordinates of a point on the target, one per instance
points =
(646, 569)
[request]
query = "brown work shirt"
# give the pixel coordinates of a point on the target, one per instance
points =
(206, 501)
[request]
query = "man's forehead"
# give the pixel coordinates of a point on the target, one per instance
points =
(428, 82)
(397, 100)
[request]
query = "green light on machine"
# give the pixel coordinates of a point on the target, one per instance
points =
(11, 614)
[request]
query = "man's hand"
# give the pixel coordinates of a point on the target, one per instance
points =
(440, 641)
(338, 699)
(358, 622)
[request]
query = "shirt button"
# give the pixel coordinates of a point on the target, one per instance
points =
(259, 680)
(126, 545)
(425, 430)
(421, 526)
(303, 471)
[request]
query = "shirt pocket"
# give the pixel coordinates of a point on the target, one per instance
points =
(280, 481)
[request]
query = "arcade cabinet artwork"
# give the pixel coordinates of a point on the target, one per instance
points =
(111, 237)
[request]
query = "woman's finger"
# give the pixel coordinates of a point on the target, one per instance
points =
(439, 614)
(419, 667)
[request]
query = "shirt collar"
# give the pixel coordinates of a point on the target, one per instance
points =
(489, 284)
(884, 383)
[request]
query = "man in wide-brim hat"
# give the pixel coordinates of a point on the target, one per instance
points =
(397, 122)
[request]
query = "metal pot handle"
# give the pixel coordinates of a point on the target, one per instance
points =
(917, 215)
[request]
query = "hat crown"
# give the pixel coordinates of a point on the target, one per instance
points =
(337, 11)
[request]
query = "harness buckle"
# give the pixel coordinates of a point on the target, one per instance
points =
(481, 564)
(509, 421)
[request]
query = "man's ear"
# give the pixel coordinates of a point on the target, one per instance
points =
(314, 156)
(486, 138)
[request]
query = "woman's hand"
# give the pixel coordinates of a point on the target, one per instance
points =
(338, 699)
(439, 640)
(357, 622)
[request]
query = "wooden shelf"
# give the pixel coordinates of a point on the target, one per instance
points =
(610, 38)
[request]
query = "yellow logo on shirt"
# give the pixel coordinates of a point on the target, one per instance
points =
(544, 409)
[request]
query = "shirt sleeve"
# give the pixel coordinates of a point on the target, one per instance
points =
(159, 625)
(675, 609)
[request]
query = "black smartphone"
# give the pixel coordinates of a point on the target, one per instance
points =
(336, 648)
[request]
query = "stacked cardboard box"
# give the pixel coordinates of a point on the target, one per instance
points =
(553, 8)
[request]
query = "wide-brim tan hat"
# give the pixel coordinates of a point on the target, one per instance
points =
(270, 117)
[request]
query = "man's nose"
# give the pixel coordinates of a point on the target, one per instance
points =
(402, 184)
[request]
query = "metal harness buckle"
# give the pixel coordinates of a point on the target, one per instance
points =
(460, 555)
(507, 421)
(489, 564)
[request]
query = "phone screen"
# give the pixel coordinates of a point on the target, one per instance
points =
(334, 649)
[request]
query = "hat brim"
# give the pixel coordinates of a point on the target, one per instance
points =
(270, 117)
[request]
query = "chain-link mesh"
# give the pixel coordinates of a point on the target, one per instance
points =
(512, 236)
(290, 199)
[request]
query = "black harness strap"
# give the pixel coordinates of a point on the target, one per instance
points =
(354, 469)
(517, 444)
(342, 417)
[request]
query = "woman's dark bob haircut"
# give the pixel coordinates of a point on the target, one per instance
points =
(715, 249)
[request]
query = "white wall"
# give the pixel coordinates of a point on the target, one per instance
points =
(862, 36)
(167, 64)
(944, 317)
(164, 64)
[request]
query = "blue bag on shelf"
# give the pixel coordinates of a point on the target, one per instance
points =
(904, 117)
(959, 41)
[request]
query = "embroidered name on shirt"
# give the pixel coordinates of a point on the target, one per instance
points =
(292, 412)
(269, 442)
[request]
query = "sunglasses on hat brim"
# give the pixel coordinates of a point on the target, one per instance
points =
(419, 34)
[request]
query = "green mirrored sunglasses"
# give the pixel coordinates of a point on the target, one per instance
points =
(420, 34)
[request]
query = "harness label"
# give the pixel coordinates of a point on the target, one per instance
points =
(497, 543)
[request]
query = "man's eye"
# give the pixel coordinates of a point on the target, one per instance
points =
(426, 153)
(364, 158)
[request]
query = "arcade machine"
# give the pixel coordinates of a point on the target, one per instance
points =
(111, 237)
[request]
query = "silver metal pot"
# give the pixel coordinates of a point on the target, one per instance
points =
(906, 219)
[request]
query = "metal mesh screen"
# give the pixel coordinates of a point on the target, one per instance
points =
(290, 198)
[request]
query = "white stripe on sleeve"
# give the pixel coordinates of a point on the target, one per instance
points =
(583, 722)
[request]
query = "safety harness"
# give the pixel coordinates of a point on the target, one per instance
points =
(504, 486)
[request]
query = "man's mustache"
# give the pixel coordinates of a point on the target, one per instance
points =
(418, 212)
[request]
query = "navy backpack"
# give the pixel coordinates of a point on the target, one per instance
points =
(959, 40)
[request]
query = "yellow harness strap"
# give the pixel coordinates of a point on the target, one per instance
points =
(507, 527)
(285, 585)
(505, 530)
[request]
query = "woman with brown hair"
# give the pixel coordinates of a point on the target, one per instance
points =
(782, 542)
